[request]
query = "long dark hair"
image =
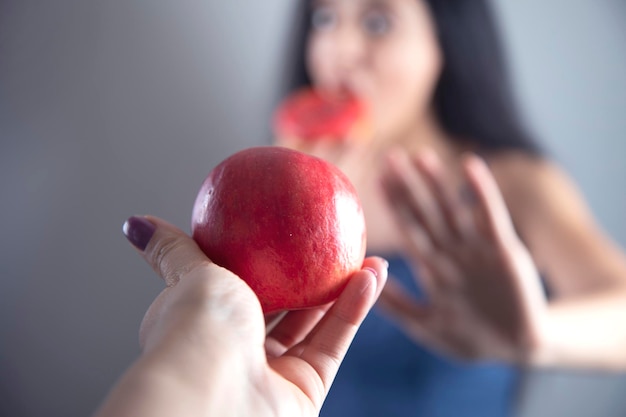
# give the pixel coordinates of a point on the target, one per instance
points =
(474, 97)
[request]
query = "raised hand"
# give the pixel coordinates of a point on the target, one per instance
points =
(484, 294)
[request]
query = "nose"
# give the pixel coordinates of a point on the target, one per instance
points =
(349, 50)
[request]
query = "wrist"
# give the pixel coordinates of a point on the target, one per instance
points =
(566, 339)
(208, 381)
(542, 353)
(161, 384)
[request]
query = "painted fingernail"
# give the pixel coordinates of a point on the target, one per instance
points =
(372, 270)
(138, 231)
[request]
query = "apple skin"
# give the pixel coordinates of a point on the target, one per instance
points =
(288, 223)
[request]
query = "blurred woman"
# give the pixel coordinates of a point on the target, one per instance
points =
(479, 225)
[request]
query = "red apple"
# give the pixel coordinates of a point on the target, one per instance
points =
(312, 114)
(288, 223)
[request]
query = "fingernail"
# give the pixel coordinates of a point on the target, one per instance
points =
(138, 231)
(372, 270)
(386, 262)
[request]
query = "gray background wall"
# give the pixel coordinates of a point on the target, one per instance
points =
(111, 108)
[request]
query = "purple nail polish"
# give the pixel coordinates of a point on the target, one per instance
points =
(138, 231)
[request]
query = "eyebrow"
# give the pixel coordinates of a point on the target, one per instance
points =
(376, 3)
(380, 4)
(367, 3)
(383, 4)
(319, 3)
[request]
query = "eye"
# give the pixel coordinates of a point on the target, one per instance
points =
(376, 23)
(323, 18)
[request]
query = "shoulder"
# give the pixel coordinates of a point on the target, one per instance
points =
(554, 221)
(516, 170)
(538, 192)
(521, 175)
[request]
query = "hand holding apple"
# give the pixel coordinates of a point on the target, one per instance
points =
(204, 341)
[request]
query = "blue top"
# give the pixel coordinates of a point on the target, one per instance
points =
(386, 374)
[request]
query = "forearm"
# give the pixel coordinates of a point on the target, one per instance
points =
(586, 332)
(159, 385)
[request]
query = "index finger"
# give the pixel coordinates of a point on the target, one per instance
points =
(493, 207)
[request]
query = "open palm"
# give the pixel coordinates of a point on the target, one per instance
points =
(485, 299)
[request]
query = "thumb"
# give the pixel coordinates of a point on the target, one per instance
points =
(167, 249)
